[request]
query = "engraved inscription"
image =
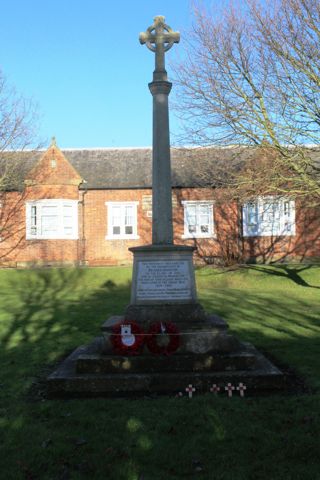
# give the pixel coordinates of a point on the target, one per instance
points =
(163, 280)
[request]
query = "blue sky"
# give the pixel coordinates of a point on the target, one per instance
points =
(82, 62)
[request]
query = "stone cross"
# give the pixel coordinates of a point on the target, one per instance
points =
(158, 41)
(159, 38)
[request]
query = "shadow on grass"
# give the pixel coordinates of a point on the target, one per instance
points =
(290, 272)
(48, 313)
(286, 326)
(286, 272)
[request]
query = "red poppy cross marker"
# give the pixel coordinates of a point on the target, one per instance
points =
(190, 389)
(229, 389)
(215, 389)
(241, 387)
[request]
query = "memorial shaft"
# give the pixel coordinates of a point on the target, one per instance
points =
(162, 228)
(159, 42)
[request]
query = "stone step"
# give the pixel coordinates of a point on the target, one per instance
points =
(66, 381)
(161, 383)
(95, 363)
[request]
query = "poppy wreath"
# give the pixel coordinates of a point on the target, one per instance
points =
(117, 339)
(155, 331)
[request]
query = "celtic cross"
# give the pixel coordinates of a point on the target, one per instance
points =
(159, 38)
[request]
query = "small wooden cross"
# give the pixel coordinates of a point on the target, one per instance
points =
(229, 389)
(215, 389)
(190, 389)
(241, 387)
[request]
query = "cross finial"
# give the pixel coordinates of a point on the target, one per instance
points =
(53, 142)
(158, 41)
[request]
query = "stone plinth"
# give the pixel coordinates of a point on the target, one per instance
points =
(163, 285)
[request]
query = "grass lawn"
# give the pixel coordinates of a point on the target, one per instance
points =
(46, 313)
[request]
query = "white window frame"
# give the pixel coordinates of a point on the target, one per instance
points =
(34, 211)
(283, 223)
(122, 235)
(198, 233)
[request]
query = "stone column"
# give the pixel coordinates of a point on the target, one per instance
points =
(162, 229)
(163, 282)
(159, 38)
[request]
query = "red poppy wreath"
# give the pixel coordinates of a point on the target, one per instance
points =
(127, 338)
(163, 338)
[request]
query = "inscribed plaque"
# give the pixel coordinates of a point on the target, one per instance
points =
(163, 280)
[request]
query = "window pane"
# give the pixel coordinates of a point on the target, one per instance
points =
(191, 217)
(49, 223)
(128, 230)
(68, 231)
(128, 219)
(33, 228)
(204, 228)
(49, 219)
(116, 230)
(49, 210)
(204, 219)
(67, 221)
(33, 215)
(191, 210)
(252, 214)
(116, 215)
(286, 208)
(270, 217)
(204, 209)
(67, 216)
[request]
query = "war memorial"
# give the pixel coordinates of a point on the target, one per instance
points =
(164, 342)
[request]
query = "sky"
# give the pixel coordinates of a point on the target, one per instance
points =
(82, 63)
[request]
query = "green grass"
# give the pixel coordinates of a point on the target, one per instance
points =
(46, 313)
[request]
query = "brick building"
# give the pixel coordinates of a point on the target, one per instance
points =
(89, 206)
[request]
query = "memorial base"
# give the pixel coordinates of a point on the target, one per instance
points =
(163, 290)
(90, 372)
(205, 357)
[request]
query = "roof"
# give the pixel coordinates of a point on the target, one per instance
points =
(127, 168)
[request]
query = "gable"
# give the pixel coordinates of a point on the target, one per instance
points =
(53, 168)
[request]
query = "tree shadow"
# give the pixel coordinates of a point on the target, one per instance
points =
(46, 313)
(291, 272)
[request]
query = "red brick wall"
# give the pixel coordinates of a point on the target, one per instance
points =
(94, 249)
(15, 250)
(98, 250)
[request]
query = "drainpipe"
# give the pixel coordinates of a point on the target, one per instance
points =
(82, 239)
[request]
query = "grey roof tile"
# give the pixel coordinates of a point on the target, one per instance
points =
(121, 168)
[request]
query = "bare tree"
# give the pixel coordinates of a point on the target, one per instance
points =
(251, 76)
(18, 122)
